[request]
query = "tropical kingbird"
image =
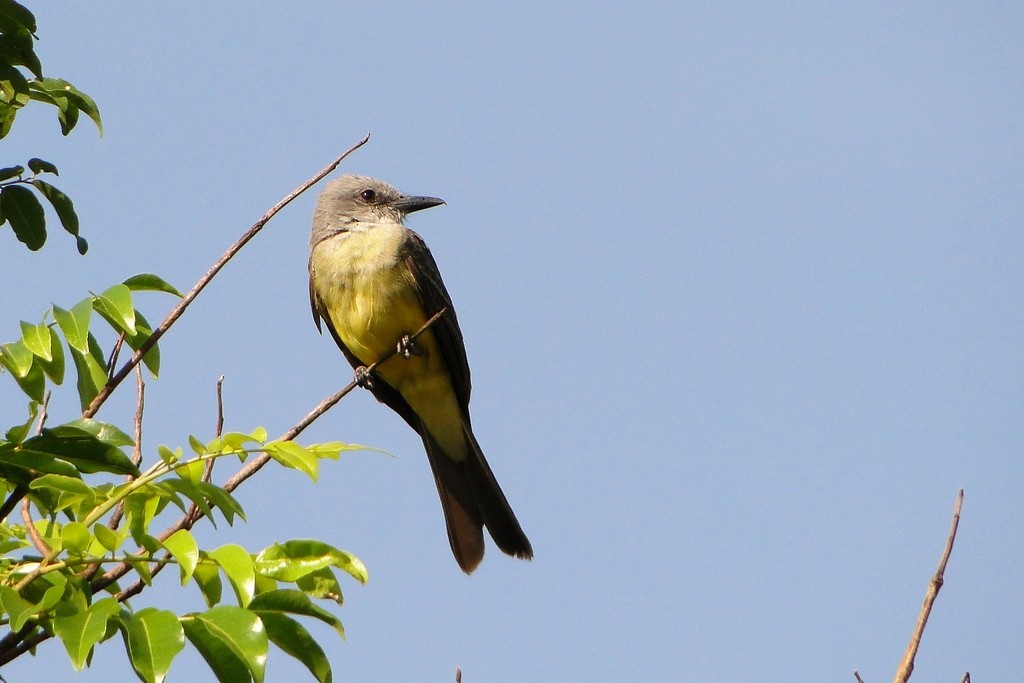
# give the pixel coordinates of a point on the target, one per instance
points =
(374, 283)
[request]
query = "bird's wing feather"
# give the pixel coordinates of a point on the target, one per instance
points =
(433, 297)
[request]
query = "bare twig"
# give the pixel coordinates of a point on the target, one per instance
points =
(179, 309)
(907, 665)
(43, 412)
(30, 528)
(857, 676)
(114, 353)
(140, 402)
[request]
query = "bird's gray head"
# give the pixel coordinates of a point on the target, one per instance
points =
(354, 202)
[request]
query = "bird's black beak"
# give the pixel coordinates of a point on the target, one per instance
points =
(410, 204)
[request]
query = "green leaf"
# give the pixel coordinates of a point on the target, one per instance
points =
(9, 172)
(75, 537)
(143, 331)
(152, 283)
(61, 203)
(104, 431)
(25, 214)
(293, 559)
(239, 568)
(83, 450)
(293, 638)
(321, 584)
(115, 305)
(182, 545)
(167, 455)
(75, 323)
(140, 508)
(14, 16)
(197, 446)
(17, 357)
(291, 454)
(108, 538)
(54, 368)
(154, 637)
(37, 339)
(18, 608)
(17, 48)
(232, 640)
(42, 166)
(294, 602)
(80, 632)
(33, 383)
(18, 433)
(225, 502)
(91, 368)
(31, 465)
(207, 576)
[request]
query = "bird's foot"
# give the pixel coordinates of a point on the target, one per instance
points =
(407, 348)
(363, 378)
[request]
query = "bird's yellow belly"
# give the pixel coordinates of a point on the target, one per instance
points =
(373, 302)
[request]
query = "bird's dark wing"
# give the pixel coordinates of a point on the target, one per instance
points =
(433, 297)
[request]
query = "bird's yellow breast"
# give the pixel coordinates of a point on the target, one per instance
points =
(372, 300)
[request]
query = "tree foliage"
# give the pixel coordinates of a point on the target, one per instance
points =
(92, 499)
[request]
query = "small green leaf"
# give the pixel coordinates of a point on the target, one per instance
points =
(293, 638)
(321, 584)
(104, 431)
(80, 632)
(143, 331)
(11, 172)
(18, 608)
(154, 638)
(197, 446)
(291, 454)
(232, 640)
(182, 545)
(61, 203)
(81, 449)
(92, 371)
(18, 433)
(75, 537)
(108, 538)
(54, 368)
(37, 339)
(293, 559)
(41, 166)
(75, 324)
(294, 602)
(17, 357)
(33, 383)
(207, 576)
(167, 455)
(25, 214)
(16, 16)
(115, 305)
(152, 283)
(239, 568)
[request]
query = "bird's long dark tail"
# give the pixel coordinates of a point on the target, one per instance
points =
(472, 499)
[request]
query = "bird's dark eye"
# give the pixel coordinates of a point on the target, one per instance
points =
(368, 195)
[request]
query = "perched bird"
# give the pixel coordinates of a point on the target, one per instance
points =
(374, 283)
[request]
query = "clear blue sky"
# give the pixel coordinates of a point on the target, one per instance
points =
(741, 289)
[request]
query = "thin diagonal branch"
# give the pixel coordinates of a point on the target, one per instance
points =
(907, 665)
(183, 304)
